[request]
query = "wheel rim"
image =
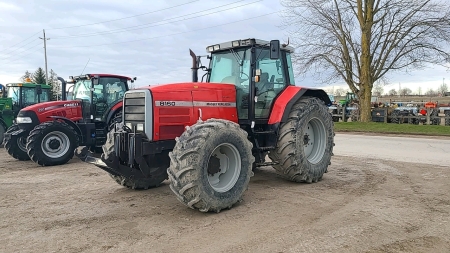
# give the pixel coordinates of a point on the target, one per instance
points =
(224, 167)
(21, 143)
(314, 140)
(55, 144)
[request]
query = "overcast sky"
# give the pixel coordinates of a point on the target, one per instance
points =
(153, 45)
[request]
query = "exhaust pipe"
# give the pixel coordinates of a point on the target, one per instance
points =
(63, 88)
(194, 66)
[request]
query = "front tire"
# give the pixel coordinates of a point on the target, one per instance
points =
(16, 145)
(52, 143)
(305, 142)
(211, 165)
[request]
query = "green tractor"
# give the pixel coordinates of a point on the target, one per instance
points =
(15, 96)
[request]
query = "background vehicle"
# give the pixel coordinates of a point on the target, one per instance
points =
(207, 137)
(16, 96)
(48, 133)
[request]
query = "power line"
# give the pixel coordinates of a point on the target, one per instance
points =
(147, 25)
(157, 37)
(18, 54)
(66, 27)
(21, 42)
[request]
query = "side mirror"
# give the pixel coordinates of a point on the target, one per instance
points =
(38, 89)
(274, 49)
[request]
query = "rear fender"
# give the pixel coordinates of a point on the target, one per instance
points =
(115, 109)
(286, 100)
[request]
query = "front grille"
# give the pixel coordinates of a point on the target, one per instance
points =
(134, 109)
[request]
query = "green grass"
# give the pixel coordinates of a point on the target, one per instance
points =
(390, 128)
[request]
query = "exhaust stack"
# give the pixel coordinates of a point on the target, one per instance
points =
(194, 66)
(63, 88)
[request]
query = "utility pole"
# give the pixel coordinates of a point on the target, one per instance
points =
(45, 53)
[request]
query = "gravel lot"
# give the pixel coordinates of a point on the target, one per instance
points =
(363, 204)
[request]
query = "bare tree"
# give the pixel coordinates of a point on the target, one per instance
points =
(419, 91)
(378, 89)
(360, 41)
(443, 88)
(405, 92)
(339, 92)
(430, 92)
(393, 92)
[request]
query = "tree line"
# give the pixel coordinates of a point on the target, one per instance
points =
(39, 77)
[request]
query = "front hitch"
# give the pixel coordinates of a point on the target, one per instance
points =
(85, 155)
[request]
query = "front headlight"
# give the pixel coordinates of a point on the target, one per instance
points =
(23, 120)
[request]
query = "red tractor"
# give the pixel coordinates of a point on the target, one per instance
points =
(207, 137)
(48, 133)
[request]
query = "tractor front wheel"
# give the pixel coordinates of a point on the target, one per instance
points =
(305, 142)
(211, 165)
(447, 120)
(16, 145)
(52, 143)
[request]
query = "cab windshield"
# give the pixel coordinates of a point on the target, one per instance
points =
(231, 66)
(28, 94)
(108, 91)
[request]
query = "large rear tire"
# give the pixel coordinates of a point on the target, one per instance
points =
(52, 143)
(2, 133)
(159, 162)
(16, 145)
(305, 142)
(211, 165)
(447, 121)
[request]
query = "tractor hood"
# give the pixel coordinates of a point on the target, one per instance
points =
(52, 105)
(188, 86)
(35, 114)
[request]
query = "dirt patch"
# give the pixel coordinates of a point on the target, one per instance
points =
(361, 205)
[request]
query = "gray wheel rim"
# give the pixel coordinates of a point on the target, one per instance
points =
(21, 143)
(314, 140)
(230, 168)
(64, 144)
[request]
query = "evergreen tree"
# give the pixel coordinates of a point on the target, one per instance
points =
(25, 76)
(38, 76)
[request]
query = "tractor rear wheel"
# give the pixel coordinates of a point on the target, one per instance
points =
(305, 142)
(2, 133)
(435, 121)
(159, 164)
(395, 117)
(211, 165)
(16, 145)
(52, 143)
(447, 121)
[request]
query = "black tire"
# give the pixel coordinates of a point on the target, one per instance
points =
(190, 165)
(335, 119)
(447, 121)
(160, 162)
(354, 115)
(117, 118)
(294, 164)
(16, 145)
(395, 117)
(59, 130)
(436, 121)
(3, 129)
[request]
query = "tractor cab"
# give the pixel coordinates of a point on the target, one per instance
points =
(259, 69)
(99, 93)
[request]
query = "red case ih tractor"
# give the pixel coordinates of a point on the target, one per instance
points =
(48, 133)
(206, 137)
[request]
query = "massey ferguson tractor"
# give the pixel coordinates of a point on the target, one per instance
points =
(48, 133)
(206, 137)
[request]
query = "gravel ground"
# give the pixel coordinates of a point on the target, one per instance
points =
(361, 205)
